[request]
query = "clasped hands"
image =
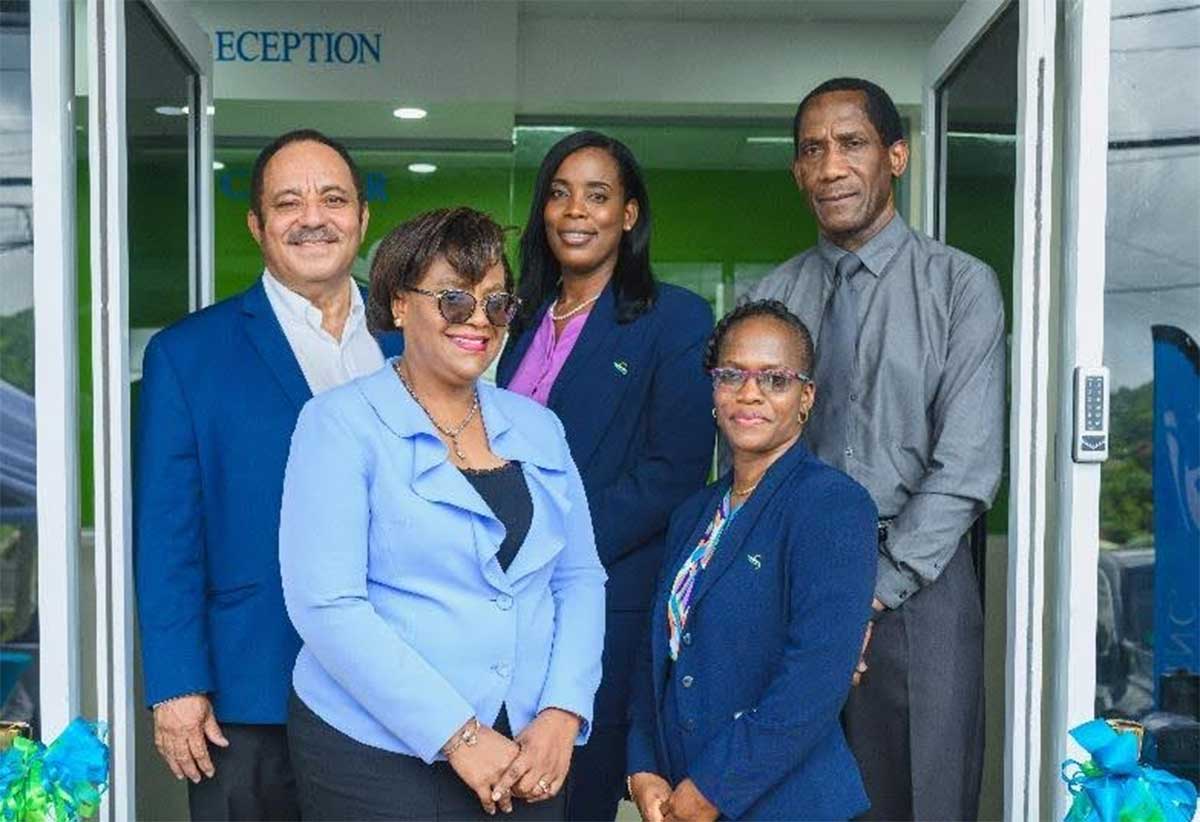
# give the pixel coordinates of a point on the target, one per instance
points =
(657, 802)
(532, 767)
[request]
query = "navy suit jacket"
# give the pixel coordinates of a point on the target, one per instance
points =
(221, 391)
(774, 632)
(637, 408)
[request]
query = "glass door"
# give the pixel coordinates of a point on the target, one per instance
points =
(150, 170)
(987, 141)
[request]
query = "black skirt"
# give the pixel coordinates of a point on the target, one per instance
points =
(340, 778)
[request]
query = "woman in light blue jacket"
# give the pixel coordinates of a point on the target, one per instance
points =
(438, 560)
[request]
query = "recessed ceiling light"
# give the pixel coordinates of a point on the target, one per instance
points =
(410, 113)
(218, 165)
(171, 111)
(770, 140)
(422, 168)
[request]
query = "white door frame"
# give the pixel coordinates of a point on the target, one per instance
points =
(107, 152)
(56, 360)
(1084, 183)
(1030, 357)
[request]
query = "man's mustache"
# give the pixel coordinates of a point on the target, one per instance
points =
(320, 234)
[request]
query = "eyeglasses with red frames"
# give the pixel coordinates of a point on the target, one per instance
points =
(770, 380)
(458, 306)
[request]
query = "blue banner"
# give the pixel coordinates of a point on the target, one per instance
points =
(1176, 503)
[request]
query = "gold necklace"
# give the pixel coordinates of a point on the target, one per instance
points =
(560, 317)
(452, 433)
(746, 492)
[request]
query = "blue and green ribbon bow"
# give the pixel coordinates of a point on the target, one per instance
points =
(61, 782)
(1113, 786)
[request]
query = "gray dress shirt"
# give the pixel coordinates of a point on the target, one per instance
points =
(926, 433)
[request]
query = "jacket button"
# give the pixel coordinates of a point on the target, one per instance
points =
(689, 725)
(687, 681)
(501, 669)
(687, 638)
(504, 602)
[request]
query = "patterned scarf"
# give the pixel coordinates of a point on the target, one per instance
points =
(680, 601)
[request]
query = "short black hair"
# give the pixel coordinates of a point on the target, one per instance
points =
(773, 309)
(881, 111)
(469, 240)
(632, 280)
(300, 135)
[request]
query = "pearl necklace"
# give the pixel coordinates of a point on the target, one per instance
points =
(452, 433)
(560, 317)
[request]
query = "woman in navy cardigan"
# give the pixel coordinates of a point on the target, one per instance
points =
(618, 357)
(761, 607)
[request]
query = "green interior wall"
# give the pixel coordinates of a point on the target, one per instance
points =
(718, 217)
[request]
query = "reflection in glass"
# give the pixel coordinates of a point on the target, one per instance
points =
(975, 213)
(1148, 637)
(18, 456)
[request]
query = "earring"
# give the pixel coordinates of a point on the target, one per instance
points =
(714, 413)
(399, 322)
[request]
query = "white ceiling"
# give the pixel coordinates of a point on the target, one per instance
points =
(747, 11)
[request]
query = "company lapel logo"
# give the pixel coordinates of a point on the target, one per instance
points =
(621, 366)
(325, 47)
(755, 561)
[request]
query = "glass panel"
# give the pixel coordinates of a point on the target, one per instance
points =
(18, 459)
(1148, 636)
(979, 107)
(159, 105)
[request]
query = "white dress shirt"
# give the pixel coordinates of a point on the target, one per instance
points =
(325, 361)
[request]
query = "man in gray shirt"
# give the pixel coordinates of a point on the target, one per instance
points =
(910, 378)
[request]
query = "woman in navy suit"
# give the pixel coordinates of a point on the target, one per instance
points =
(618, 357)
(761, 607)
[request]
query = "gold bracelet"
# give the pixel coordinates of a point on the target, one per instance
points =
(468, 737)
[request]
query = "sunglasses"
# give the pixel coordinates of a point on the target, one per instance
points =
(770, 380)
(458, 306)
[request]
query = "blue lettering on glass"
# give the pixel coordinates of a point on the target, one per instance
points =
(270, 46)
(329, 47)
(365, 46)
(291, 42)
(241, 51)
(224, 46)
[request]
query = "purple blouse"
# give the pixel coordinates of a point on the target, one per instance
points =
(543, 360)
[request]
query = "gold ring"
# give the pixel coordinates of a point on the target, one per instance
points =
(543, 785)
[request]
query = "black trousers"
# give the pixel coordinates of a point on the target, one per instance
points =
(253, 778)
(915, 723)
(340, 778)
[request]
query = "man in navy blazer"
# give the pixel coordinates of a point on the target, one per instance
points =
(221, 392)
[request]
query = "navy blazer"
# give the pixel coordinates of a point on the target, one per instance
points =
(637, 408)
(774, 632)
(221, 391)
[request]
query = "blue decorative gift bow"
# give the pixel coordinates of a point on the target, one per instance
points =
(1114, 787)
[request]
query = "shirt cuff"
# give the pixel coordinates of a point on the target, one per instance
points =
(892, 585)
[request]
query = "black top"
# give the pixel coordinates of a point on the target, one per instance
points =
(505, 492)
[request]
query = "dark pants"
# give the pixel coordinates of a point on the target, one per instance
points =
(340, 778)
(253, 778)
(597, 781)
(915, 723)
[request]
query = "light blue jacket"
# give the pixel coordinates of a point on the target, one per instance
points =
(410, 627)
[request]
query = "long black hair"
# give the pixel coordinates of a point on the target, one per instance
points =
(632, 280)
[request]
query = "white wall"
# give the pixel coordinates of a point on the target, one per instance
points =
(479, 64)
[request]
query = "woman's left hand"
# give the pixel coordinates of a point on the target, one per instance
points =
(687, 804)
(539, 771)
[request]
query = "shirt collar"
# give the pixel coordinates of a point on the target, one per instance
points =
(876, 253)
(296, 309)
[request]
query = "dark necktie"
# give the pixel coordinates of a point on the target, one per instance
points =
(837, 349)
